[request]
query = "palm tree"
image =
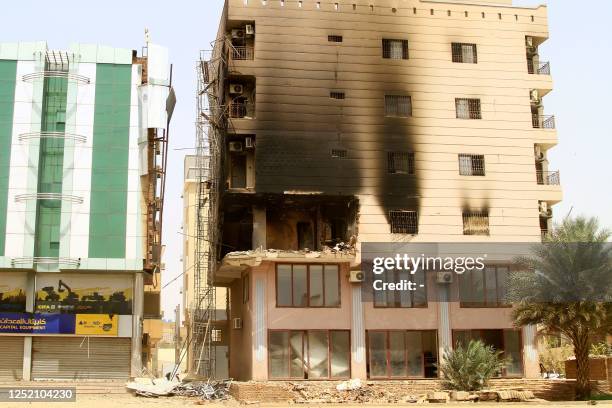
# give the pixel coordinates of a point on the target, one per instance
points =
(570, 291)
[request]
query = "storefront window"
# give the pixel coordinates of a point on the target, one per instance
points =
(315, 354)
(506, 340)
(402, 354)
(307, 285)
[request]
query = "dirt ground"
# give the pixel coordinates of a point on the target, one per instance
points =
(128, 401)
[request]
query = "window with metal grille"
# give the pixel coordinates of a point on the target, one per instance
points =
(336, 95)
(334, 38)
(471, 165)
(338, 153)
(475, 223)
(468, 108)
(400, 162)
(465, 53)
(395, 49)
(404, 222)
(216, 335)
(398, 106)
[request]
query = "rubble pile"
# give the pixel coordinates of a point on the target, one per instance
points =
(161, 387)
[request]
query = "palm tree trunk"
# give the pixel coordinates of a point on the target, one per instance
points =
(581, 350)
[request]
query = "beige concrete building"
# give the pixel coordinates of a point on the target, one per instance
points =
(190, 296)
(357, 121)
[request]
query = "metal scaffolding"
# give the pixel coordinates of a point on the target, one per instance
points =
(211, 128)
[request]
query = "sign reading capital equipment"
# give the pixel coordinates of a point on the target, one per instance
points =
(96, 324)
(36, 323)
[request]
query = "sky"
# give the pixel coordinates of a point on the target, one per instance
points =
(579, 48)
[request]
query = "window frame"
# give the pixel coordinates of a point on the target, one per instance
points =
(485, 304)
(397, 304)
(308, 306)
(306, 355)
(395, 98)
(335, 38)
(392, 231)
(386, 48)
(474, 111)
(473, 172)
(410, 165)
(466, 214)
(457, 52)
(388, 354)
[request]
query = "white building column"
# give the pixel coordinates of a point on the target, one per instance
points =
(358, 351)
(137, 316)
(27, 340)
(445, 339)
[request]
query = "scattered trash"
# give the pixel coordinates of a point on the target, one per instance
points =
(159, 387)
(353, 384)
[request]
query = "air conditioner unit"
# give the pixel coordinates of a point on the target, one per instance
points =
(535, 96)
(544, 210)
(529, 41)
(249, 29)
(237, 33)
(249, 143)
(444, 277)
(539, 155)
(237, 323)
(356, 276)
(235, 146)
(236, 89)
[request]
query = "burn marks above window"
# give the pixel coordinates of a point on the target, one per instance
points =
(404, 222)
(399, 106)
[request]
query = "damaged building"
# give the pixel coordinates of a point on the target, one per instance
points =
(330, 124)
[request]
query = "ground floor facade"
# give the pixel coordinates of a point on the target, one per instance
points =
(301, 318)
(72, 325)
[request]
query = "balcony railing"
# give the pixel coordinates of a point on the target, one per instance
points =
(548, 178)
(242, 53)
(541, 68)
(241, 109)
(543, 121)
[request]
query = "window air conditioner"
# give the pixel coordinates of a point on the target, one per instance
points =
(235, 146)
(444, 277)
(237, 33)
(356, 276)
(236, 89)
(237, 323)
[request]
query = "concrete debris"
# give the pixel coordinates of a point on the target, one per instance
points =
(438, 397)
(353, 384)
(159, 387)
(506, 395)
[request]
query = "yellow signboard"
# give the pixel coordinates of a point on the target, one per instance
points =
(96, 324)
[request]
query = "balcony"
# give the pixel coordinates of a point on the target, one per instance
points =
(242, 53)
(241, 109)
(543, 121)
(540, 68)
(548, 178)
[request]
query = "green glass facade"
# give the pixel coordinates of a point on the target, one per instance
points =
(51, 167)
(109, 174)
(8, 73)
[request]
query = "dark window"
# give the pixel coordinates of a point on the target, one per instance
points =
(468, 108)
(402, 354)
(506, 340)
(395, 49)
(238, 171)
(398, 106)
(309, 354)
(307, 285)
(305, 235)
(475, 223)
(403, 298)
(334, 38)
(336, 95)
(404, 222)
(400, 163)
(484, 288)
(465, 53)
(471, 165)
(339, 153)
